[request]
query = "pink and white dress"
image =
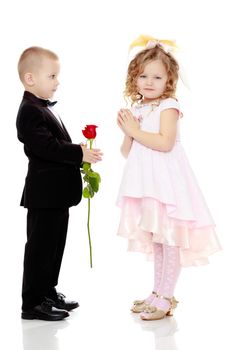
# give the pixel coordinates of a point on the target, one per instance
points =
(160, 198)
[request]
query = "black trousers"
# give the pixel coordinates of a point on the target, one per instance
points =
(46, 238)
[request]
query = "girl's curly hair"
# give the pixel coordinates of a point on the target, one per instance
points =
(137, 66)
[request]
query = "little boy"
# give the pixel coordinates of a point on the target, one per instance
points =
(53, 184)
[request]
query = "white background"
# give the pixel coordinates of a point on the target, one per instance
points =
(92, 40)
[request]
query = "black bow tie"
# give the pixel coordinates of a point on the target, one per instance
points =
(49, 103)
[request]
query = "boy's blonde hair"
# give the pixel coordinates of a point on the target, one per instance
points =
(31, 59)
(138, 64)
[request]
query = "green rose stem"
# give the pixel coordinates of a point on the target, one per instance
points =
(88, 217)
(88, 229)
(91, 180)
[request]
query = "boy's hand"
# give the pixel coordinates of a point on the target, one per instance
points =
(91, 155)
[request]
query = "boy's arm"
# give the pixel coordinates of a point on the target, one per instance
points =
(33, 132)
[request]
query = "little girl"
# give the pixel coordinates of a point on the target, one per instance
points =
(163, 211)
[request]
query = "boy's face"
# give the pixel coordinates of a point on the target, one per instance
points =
(45, 78)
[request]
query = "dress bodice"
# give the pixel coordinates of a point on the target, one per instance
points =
(149, 115)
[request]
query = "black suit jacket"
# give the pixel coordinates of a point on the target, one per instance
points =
(53, 179)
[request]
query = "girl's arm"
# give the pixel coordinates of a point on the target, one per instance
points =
(162, 141)
(126, 145)
(127, 142)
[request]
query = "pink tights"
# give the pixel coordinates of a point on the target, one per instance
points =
(166, 272)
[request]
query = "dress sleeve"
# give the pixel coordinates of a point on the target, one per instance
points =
(170, 103)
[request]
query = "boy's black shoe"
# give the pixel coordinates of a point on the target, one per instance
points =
(61, 303)
(46, 311)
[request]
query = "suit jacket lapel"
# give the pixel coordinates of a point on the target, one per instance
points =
(62, 128)
(67, 134)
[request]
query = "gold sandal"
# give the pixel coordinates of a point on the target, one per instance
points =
(140, 305)
(154, 313)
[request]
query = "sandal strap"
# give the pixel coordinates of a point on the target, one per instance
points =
(173, 302)
(138, 302)
(165, 298)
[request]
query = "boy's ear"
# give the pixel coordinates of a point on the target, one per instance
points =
(28, 78)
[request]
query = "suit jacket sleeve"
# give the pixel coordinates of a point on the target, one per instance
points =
(33, 131)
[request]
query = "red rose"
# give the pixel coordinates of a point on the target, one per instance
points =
(90, 131)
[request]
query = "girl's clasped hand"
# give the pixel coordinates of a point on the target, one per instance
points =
(127, 122)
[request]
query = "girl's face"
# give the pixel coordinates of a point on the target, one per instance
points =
(151, 83)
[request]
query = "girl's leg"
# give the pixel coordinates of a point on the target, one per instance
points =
(170, 273)
(158, 267)
(139, 305)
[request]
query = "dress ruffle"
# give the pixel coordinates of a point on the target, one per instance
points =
(145, 221)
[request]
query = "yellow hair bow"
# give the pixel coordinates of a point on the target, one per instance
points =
(148, 42)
